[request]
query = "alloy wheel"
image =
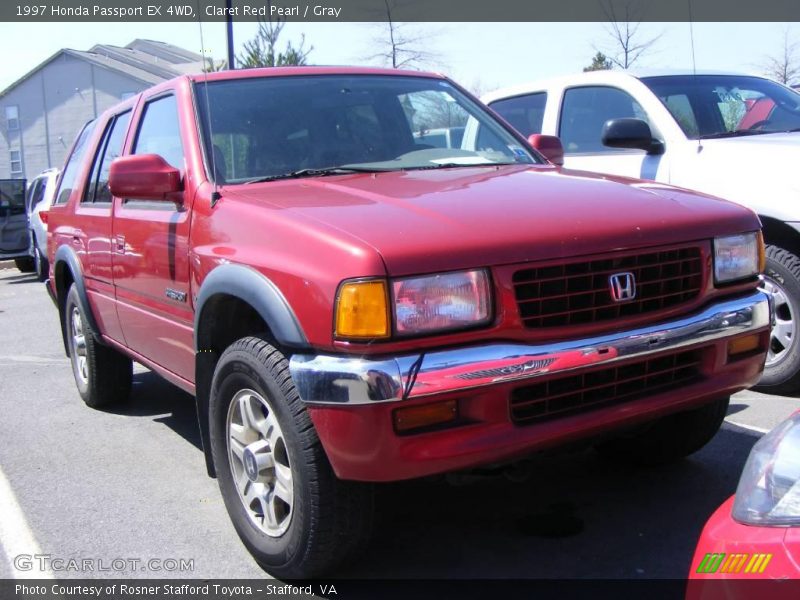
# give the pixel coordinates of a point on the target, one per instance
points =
(259, 461)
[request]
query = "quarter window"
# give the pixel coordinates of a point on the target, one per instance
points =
(524, 113)
(585, 111)
(159, 132)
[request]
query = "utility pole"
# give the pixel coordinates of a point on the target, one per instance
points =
(229, 33)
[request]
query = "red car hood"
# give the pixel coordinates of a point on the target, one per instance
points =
(445, 219)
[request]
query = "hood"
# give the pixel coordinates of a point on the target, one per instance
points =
(445, 219)
(777, 153)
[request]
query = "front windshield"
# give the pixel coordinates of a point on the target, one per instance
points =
(271, 127)
(708, 106)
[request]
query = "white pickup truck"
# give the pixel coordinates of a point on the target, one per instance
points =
(730, 135)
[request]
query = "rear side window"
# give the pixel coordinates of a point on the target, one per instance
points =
(524, 113)
(109, 148)
(67, 182)
(36, 192)
(159, 132)
(585, 111)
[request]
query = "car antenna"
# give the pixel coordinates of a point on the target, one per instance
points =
(694, 67)
(215, 195)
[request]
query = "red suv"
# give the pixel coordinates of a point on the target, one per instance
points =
(350, 304)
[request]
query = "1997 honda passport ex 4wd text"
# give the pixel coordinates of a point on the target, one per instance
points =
(351, 304)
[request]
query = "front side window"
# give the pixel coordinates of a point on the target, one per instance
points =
(67, 182)
(159, 131)
(274, 127)
(584, 112)
(524, 113)
(713, 106)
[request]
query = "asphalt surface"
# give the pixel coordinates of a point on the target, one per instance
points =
(129, 483)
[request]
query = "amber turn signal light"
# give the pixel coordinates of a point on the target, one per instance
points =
(762, 253)
(362, 310)
(426, 415)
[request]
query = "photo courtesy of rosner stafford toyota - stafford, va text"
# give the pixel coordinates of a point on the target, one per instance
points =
(399, 299)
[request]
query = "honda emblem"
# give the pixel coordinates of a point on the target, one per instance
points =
(623, 287)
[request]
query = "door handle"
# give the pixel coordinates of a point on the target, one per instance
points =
(119, 242)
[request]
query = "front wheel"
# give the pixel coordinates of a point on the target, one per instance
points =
(669, 438)
(292, 513)
(782, 282)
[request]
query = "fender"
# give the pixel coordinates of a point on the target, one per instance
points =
(66, 258)
(252, 287)
(258, 291)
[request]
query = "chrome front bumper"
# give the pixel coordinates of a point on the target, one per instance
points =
(346, 380)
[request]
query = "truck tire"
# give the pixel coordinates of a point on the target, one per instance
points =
(668, 439)
(25, 264)
(782, 282)
(102, 374)
(40, 263)
(291, 512)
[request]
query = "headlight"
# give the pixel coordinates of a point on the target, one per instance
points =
(769, 489)
(737, 256)
(441, 302)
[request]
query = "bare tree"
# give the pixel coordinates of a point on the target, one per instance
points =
(211, 65)
(402, 45)
(628, 45)
(784, 66)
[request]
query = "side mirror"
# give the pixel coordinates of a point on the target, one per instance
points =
(630, 133)
(549, 146)
(144, 177)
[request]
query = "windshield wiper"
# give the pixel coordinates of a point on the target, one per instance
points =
(317, 173)
(736, 133)
(451, 165)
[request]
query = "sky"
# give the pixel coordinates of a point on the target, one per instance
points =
(480, 56)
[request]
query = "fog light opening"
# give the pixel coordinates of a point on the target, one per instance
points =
(413, 418)
(746, 345)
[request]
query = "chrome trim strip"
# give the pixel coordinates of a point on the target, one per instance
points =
(338, 380)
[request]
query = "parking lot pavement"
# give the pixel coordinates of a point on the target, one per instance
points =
(129, 483)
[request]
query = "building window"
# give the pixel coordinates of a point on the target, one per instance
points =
(12, 117)
(16, 163)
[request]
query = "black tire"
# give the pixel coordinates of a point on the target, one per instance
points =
(25, 264)
(330, 520)
(668, 439)
(782, 275)
(105, 375)
(40, 263)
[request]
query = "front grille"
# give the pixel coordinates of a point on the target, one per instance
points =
(574, 394)
(579, 292)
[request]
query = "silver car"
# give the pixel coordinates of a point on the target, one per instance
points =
(40, 197)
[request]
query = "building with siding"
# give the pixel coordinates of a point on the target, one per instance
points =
(42, 112)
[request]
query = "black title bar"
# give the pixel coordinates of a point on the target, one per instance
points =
(402, 10)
